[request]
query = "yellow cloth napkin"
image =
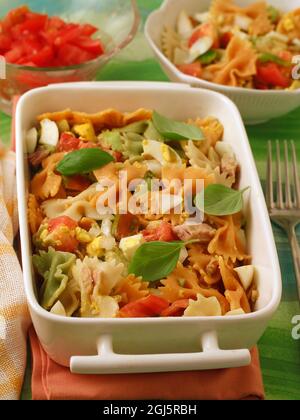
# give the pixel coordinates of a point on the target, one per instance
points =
(14, 316)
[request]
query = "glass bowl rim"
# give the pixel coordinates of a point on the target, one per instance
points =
(104, 57)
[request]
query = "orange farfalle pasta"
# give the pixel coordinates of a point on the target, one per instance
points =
(225, 11)
(228, 241)
(48, 184)
(109, 118)
(131, 289)
(169, 173)
(206, 265)
(183, 283)
(35, 214)
(238, 64)
(234, 292)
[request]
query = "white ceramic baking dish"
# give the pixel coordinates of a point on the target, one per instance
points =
(255, 106)
(150, 345)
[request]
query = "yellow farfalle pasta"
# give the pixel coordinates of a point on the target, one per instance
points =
(206, 265)
(289, 25)
(35, 214)
(131, 289)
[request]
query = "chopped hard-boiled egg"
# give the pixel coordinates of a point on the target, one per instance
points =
(295, 85)
(99, 245)
(236, 312)
(161, 152)
(288, 24)
(49, 133)
(243, 22)
(203, 307)
(130, 245)
(184, 25)
(85, 131)
(202, 17)
(83, 236)
(106, 307)
(183, 255)
(246, 275)
(223, 148)
(58, 309)
(31, 140)
(276, 36)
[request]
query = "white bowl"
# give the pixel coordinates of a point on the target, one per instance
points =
(255, 106)
(153, 344)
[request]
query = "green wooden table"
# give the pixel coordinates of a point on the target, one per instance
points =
(280, 353)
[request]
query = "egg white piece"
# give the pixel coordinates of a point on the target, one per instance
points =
(163, 153)
(49, 133)
(184, 25)
(246, 275)
(130, 245)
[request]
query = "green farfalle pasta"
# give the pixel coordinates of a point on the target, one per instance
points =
(54, 267)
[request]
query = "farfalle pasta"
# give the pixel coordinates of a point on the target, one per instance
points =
(116, 227)
(250, 47)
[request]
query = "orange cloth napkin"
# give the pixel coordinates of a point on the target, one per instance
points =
(53, 382)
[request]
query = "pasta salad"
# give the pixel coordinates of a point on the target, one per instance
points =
(137, 215)
(250, 47)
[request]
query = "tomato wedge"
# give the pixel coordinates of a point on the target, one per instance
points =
(61, 221)
(63, 234)
(176, 309)
(271, 74)
(68, 143)
(76, 183)
(128, 225)
(150, 306)
(93, 46)
(194, 69)
(163, 233)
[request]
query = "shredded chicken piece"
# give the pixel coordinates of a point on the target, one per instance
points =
(203, 232)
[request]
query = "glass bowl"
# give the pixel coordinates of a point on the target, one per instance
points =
(117, 20)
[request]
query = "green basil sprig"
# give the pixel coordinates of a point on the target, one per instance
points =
(156, 260)
(208, 57)
(175, 130)
(83, 161)
(267, 58)
(218, 200)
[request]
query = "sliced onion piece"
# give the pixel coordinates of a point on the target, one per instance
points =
(200, 47)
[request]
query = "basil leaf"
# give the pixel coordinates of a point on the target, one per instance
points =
(218, 200)
(273, 14)
(83, 161)
(175, 130)
(155, 260)
(208, 57)
(267, 58)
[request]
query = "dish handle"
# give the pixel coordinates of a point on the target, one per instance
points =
(109, 362)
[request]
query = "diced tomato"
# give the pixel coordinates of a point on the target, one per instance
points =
(163, 233)
(43, 57)
(34, 23)
(76, 183)
(68, 143)
(13, 55)
(206, 29)
(92, 46)
(67, 36)
(128, 225)
(69, 55)
(193, 69)
(88, 29)
(61, 221)
(29, 38)
(5, 42)
(150, 306)
(118, 156)
(15, 16)
(271, 74)
(176, 309)
(225, 39)
(87, 145)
